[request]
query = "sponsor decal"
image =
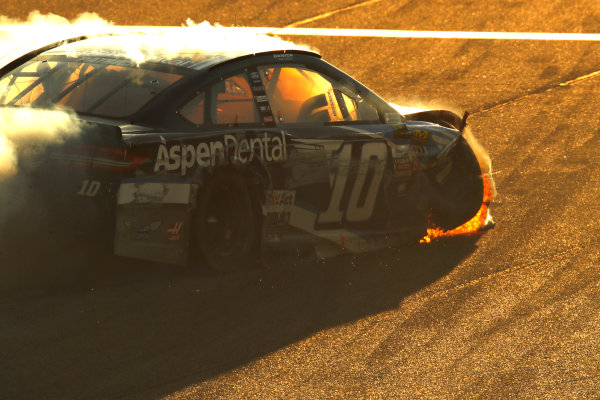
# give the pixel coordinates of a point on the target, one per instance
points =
(89, 188)
(418, 150)
(401, 188)
(134, 192)
(174, 231)
(402, 166)
(123, 62)
(186, 62)
(107, 57)
(363, 193)
(401, 132)
(261, 99)
(283, 57)
(281, 218)
(330, 97)
(269, 148)
(278, 206)
(264, 108)
(280, 197)
(401, 150)
(142, 232)
(255, 76)
(421, 135)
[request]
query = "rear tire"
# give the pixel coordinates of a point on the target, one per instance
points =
(458, 197)
(226, 224)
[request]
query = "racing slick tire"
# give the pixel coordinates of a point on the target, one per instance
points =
(459, 195)
(225, 225)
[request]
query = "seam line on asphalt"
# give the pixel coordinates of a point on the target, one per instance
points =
(541, 91)
(581, 78)
(330, 13)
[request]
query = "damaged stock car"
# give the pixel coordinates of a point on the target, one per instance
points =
(216, 158)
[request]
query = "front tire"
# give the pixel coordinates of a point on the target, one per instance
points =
(458, 197)
(226, 224)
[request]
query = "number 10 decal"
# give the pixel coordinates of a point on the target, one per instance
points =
(89, 188)
(373, 156)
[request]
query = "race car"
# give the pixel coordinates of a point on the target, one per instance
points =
(218, 157)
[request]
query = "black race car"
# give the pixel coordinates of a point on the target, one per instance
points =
(222, 156)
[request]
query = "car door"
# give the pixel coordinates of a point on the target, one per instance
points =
(337, 159)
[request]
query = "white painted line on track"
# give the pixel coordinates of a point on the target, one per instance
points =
(389, 33)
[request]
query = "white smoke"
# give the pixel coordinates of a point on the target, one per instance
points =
(165, 42)
(25, 130)
(139, 43)
(24, 135)
(25, 226)
(485, 162)
(18, 37)
(8, 158)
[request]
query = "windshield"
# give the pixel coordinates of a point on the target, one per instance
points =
(103, 86)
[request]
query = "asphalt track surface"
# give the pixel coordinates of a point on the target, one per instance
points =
(510, 314)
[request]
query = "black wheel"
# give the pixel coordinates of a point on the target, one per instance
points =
(226, 234)
(458, 197)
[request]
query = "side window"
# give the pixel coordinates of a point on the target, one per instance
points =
(193, 110)
(232, 101)
(87, 87)
(117, 91)
(300, 95)
(28, 84)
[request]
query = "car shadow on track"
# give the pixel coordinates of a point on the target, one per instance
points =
(162, 329)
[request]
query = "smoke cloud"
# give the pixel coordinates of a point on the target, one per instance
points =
(485, 162)
(29, 249)
(18, 37)
(24, 131)
(24, 135)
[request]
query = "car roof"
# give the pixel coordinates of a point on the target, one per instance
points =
(140, 48)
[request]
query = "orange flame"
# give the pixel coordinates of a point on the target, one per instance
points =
(482, 220)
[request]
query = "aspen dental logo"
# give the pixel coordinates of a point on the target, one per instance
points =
(208, 154)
